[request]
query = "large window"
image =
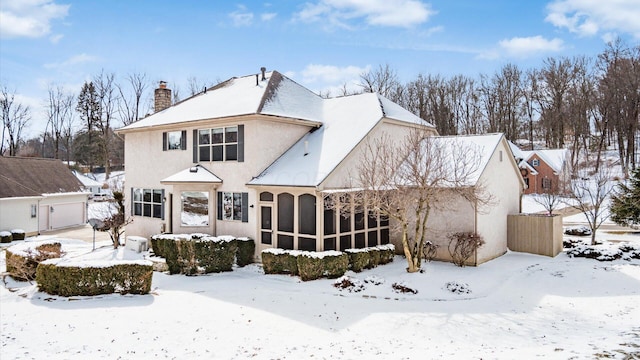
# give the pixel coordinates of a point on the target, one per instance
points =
(148, 203)
(353, 226)
(195, 208)
(218, 144)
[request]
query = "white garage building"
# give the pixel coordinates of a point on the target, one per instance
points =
(38, 195)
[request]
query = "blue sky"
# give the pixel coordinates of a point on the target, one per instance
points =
(321, 44)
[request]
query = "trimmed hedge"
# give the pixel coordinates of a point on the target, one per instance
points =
(278, 261)
(310, 267)
(336, 265)
(370, 257)
(5, 237)
(23, 259)
(245, 252)
(90, 278)
(18, 234)
(358, 259)
(198, 253)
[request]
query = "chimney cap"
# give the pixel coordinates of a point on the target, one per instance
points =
(163, 84)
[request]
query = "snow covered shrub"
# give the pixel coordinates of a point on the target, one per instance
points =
(246, 248)
(462, 245)
(632, 251)
(279, 261)
(374, 257)
(358, 259)
(402, 288)
(23, 259)
(578, 231)
(457, 288)
(375, 280)
(336, 263)
(194, 254)
(88, 278)
(5, 237)
(18, 234)
(387, 252)
(310, 266)
(571, 243)
(598, 252)
(348, 283)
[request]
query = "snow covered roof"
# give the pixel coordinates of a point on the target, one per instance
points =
(86, 181)
(555, 158)
(517, 153)
(345, 122)
(277, 95)
(483, 145)
(194, 174)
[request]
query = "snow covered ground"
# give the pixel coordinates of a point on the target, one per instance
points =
(517, 306)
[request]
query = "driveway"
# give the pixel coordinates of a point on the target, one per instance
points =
(84, 233)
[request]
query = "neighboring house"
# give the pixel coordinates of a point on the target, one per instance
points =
(545, 171)
(37, 195)
(255, 156)
(89, 184)
(497, 173)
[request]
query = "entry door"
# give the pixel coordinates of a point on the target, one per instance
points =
(266, 226)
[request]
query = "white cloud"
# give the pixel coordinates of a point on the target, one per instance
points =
(397, 13)
(592, 17)
(268, 16)
(56, 38)
(526, 46)
(241, 17)
(29, 18)
(74, 60)
(332, 79)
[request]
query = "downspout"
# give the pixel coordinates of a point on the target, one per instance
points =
(475, 228)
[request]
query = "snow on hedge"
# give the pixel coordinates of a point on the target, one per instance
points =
(79, 263)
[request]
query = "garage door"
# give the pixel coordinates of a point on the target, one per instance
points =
(64, 215)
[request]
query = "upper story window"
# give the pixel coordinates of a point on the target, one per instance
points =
(218, 144)
(174, 140)
(535, 162)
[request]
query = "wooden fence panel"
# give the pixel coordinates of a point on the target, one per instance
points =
(535, 234)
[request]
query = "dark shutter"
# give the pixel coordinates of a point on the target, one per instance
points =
(183, 140)
(164, 141)
(240, 143)
(195, 145)
(219, 215)
(245, 207)
(131, 200)
(164, 203)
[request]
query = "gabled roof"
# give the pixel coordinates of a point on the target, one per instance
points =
(345, 122)
(555, 158)
(24, 177)
(277, 96)
(194, 174)
(484, 147)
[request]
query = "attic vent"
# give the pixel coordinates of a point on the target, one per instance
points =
(193, 169)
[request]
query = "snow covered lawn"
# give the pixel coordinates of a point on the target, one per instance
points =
(516, 306)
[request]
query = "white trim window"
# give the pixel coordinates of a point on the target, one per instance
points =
(218, 144)
(147, 203)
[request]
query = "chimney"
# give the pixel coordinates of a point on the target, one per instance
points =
(262, 70)
(162, 97)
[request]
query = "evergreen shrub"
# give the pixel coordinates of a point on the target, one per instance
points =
(23, 259)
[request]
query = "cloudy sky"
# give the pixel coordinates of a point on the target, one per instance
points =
(321, 44)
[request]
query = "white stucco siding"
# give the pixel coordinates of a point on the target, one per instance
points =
(15, 213)
(503, 181)
(147, 164)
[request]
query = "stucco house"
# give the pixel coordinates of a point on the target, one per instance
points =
(545, 170)
(37, 195)
(255, 156)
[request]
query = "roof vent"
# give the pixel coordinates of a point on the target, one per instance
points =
(263, 70)
(193, 169)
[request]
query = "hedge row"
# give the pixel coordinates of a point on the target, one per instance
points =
(193, 254)
(331, 264)
(368, 258)
(13, 235)
(90, 278)
(23, 259)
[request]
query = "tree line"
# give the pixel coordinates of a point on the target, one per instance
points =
(586, 104)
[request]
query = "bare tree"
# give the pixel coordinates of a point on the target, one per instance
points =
(502, 100)
(130, 102)
(383, 81)
(589, 193)
(60, 117)
(108, 98)
(405, 181)
(15, 117)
